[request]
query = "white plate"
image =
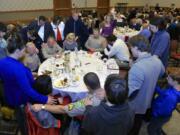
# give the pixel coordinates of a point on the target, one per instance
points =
(75, 84)
(58, 84)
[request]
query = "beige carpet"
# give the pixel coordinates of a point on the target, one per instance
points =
(171, 128)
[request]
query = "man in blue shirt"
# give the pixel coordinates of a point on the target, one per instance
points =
(18, 80)
(160, 42)
(142, 79)
(164, 104)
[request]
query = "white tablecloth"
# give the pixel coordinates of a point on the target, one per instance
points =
(122, 33)
(89, 63)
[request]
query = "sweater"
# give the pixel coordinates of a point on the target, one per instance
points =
(95, 43)
(17, 83)
(108, 120)
(166, 102)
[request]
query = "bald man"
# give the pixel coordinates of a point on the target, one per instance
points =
(31, 59)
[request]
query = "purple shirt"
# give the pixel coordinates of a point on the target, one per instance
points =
(108, 30)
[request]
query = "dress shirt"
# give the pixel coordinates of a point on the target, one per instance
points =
(41, 32)
(119, 50)
(61, 28)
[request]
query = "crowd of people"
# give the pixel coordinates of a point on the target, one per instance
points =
(118, 107)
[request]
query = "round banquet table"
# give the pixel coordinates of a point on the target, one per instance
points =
(124, 33)
(86, 63)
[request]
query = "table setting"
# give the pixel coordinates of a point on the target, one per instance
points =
(124, 33)
(68, 70)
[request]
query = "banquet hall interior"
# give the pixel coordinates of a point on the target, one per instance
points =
(89, 67)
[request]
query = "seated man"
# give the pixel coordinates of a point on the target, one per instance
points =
(95, 42)
(51, 48)
(96, 93)
(112, 117)
(118, 50)
(42, 122)
(32, 60)
(43, 85)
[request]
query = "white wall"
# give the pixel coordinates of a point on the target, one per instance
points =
(91, 3)
(13, 5)
(79, 3)
(84, 3)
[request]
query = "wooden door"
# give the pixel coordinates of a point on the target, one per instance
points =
(62, 7)
(103, 6)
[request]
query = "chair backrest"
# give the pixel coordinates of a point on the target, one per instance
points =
(35, 128)
(8, 127)
(173, 47)
(2, 100)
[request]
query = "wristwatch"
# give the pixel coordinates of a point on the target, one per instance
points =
(43, 107)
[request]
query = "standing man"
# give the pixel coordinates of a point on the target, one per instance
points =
(42, 27)
(75, 25)
(143, 77)
(18, 81)
(160, 43)
(58, 27)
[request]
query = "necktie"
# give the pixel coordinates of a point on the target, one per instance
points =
(59, 38)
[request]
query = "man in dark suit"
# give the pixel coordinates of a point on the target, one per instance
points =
(43, 27)
(58, 25)
(75, 25)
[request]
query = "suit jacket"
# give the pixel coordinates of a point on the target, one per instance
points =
(38, 41)
(48, 31)
(80, 29)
